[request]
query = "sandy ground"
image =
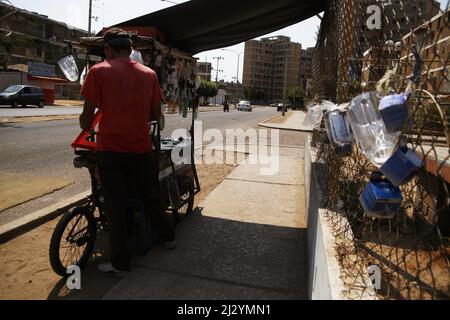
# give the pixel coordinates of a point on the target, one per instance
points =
(25, 271)
(18, 188)
(69, 103)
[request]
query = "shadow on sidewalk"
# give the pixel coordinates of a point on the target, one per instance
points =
(214, 259)
(222, 259)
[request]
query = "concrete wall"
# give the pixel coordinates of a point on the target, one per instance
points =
(324, 274)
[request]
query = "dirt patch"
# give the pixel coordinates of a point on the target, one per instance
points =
(25, 271)
(18, 188)
(69, 103)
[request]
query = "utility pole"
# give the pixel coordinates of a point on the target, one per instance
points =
(217, 75)
(217, 70)
(238, 61)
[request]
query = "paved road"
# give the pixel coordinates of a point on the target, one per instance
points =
(8, 112)
(43, 148)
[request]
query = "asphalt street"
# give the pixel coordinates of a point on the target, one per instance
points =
(43, 148)
(7, 111)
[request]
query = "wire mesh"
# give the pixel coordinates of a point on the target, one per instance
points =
(413, 40)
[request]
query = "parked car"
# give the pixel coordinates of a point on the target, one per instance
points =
(22, 95)
(245, 106)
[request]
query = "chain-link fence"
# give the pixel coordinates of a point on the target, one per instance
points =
(354, 51)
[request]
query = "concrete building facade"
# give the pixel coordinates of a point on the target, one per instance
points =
(29, 39)
(306, 58)
(205, 69)
(271, 66)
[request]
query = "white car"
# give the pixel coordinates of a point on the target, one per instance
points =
(245, 106)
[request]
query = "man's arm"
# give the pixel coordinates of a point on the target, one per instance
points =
(155, 112)
(87, 117)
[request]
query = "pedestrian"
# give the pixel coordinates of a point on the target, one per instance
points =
(128, 96)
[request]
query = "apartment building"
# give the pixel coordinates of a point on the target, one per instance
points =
(205, 69)
(271, 65)
(31, 42)
(306, 58)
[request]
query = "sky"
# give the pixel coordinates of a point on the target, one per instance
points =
(110, 12)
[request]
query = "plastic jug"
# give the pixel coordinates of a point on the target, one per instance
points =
(381, 199)
(369, 129)
(402, 166)
(339, 132)
(394, 111)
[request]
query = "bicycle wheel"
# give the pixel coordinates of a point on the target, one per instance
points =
(73, 240)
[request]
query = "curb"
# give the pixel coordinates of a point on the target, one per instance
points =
(22, 119)
(20, 226)
(265, 125)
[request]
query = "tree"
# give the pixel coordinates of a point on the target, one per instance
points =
(296, 96)
(207, 90)
(6, 46)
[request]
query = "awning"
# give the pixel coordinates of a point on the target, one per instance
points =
(52, 79)
(18, 67)
(201, 25)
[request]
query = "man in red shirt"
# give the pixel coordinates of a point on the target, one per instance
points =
(128, 96)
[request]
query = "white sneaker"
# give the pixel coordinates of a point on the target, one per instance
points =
(109, 268)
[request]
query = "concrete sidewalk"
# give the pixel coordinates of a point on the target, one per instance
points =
(245, 241)
(293, 121)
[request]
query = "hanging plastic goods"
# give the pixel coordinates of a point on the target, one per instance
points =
(394, 111)
(69, 68)
(314, 117)
(136, 56)
(369, 129)
(402, 166)
(339, 132)
(381, 199)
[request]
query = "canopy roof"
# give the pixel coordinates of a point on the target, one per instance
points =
(200, 25)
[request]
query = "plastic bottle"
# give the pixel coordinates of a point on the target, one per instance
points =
(369, 129)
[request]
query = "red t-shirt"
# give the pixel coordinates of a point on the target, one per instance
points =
(124, 91)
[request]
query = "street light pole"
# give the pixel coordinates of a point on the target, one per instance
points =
(238, 62)
(90, 18)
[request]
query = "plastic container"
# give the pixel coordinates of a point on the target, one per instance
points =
(381, 199)
(369, 129)
(339, 132)
(314, 117)
(394, 111)
(402, 166)
(69, 68)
